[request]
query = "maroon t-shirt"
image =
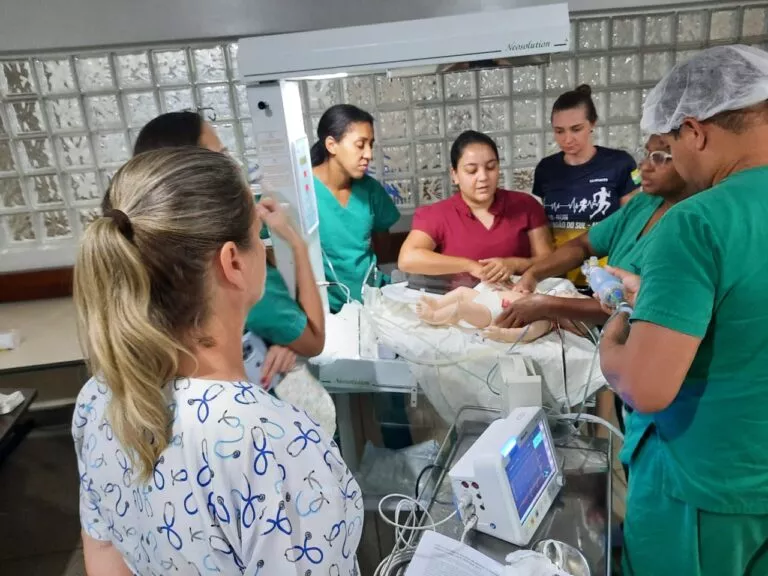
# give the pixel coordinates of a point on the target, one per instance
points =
(452, 226)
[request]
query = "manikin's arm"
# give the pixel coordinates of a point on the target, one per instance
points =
(454, 307)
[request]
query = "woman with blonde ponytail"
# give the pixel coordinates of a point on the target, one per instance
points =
(185, 467)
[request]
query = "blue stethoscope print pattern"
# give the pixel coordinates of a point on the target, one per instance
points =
(248, 466)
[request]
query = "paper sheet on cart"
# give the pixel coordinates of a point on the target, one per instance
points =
(438, 555)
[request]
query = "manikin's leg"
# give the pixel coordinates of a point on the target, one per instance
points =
(455, 306)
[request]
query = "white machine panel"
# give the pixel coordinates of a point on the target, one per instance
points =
(511, 475)
(504, 34)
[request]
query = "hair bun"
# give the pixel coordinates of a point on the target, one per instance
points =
(585, 89)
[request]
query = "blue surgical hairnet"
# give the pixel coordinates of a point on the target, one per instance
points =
(719, 79)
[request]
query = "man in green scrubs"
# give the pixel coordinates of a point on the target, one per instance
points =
(696, 356)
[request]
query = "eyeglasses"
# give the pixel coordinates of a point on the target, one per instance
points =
(657, 157)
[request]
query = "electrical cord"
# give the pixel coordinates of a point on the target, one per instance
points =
(424, 470)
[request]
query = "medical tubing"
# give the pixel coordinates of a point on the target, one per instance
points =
(592, 418)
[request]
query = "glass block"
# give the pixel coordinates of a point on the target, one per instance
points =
(656, 65)
(243, 110)
(593, 34)
(26, 116)
(691, 27)
(140, 108)
(428, 121)
(6, 157)
(11, 194)
(396, 160)
(461, 118)
(45, 189)
(314, 120)
(133, 70)
(393, 125)
(559, 75)
(401, 192)
(459, 85)
(625, 32)
(431, 189)
(106, 177)
(65, 114)
(358, 90)
(82, 186)
(178, 99)
(684, 55)
(430, 156)
(233, 61)
(658, 30)
(522, 179)
(88, 215)
(426, 88)
(391, 90)
(502, 143)
(724, 25)
(599, 137)
(600, 100)
(94, 73)
(625, 69)
(36, 154)
(74, 151)
(593, 71)
(623, 104)
(103, 112)
(3, 130)
(210, 65)
(526, 113)
(171, 67)
(248, 140)
(20, 227)
(16, 78)
(493, 82)
(322, 94)
(494, 116)
(111, 148)
(624, 137)
(56, 76)
(56, 224)
(550, 146)
(754, 22)
(526, 147)
(526, 79)
(217, 97)
(228, 136)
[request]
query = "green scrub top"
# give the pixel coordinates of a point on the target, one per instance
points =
(618, 236)
(345, 236)
(705, 275)
(276, 318)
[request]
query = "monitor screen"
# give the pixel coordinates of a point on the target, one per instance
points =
(530, 466)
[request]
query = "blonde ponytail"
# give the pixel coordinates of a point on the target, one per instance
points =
(141, 298)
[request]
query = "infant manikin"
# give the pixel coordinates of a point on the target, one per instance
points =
(479, 309)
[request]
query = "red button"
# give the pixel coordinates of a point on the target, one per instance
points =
(465, 485)
(306, 187)
(475, 485)
(305, 173)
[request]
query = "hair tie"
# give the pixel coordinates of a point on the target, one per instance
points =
(123, 222)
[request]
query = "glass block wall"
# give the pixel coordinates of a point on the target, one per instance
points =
(621, 56)
(67, 121)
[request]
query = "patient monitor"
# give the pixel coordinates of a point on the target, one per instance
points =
(511, 476)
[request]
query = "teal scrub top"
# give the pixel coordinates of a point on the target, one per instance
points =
(705, 275)
(276, 318)
(346, 234)
(618, 236)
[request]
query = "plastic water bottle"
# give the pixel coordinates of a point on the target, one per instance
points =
(608, 288)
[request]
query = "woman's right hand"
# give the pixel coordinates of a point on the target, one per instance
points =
(277, 220)
(526, 285)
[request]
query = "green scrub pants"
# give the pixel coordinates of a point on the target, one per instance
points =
(665, 536)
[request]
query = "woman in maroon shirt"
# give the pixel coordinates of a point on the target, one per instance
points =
(485, 231)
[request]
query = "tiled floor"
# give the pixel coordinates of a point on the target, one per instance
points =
(39, 525)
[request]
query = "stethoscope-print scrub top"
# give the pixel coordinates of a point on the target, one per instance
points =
(249, 485)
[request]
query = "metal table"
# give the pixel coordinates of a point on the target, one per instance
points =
(580, 516)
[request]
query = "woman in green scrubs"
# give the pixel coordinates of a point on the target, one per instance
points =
(622, 237)
(352, 205)
(288, 327)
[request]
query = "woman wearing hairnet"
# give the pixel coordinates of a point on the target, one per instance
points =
(696, 355)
